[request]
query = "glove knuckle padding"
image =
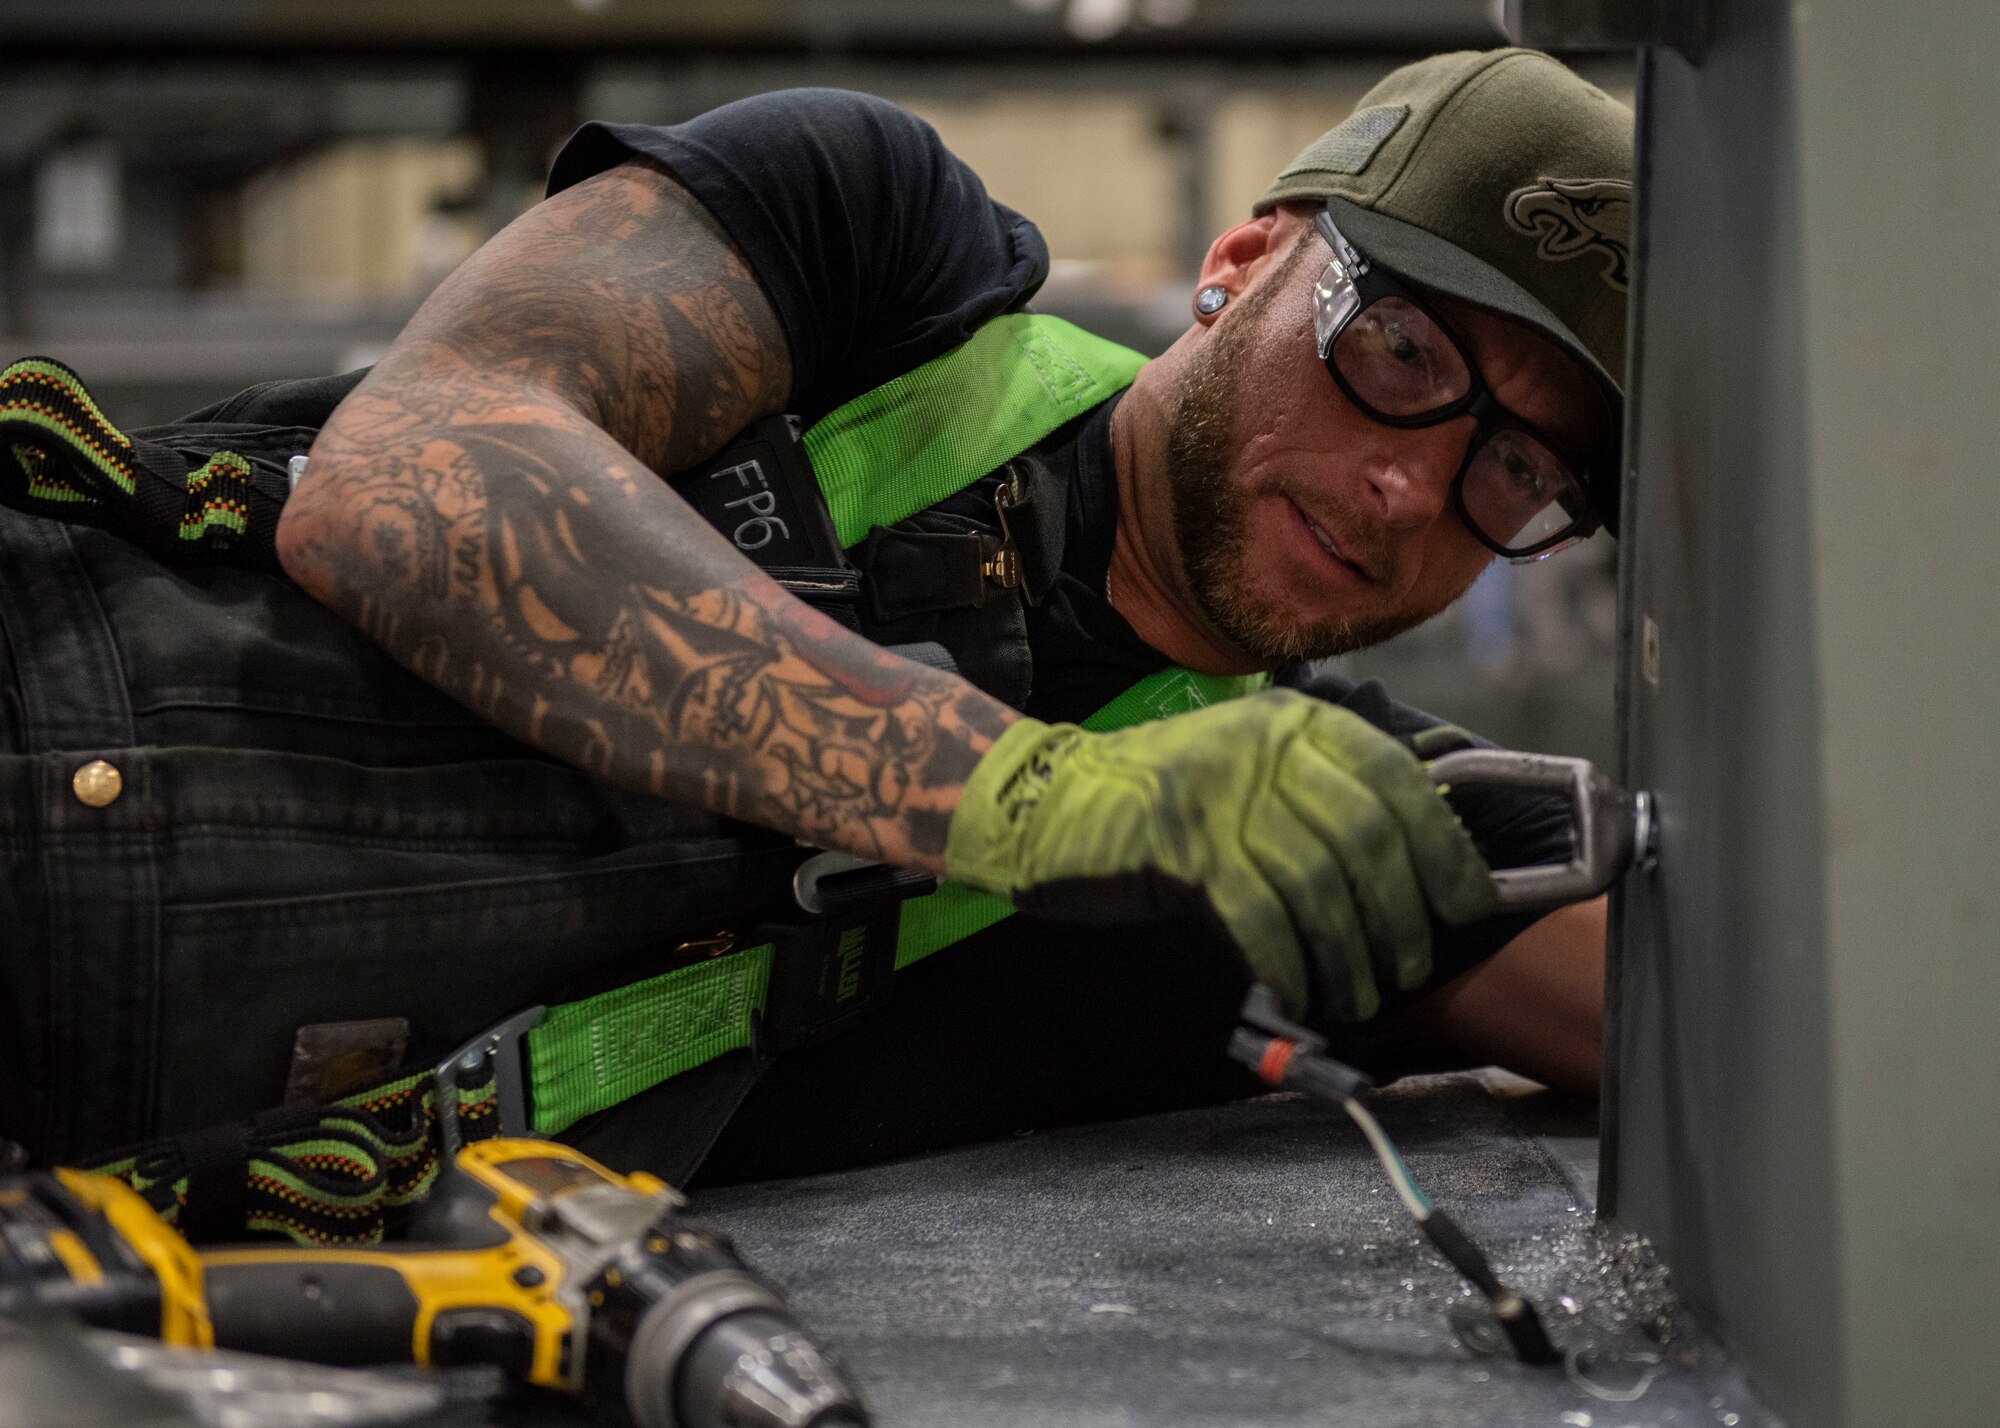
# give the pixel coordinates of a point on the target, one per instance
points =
(1120, 800)
(1454, 877)
(1292, 861)
(1366, 841)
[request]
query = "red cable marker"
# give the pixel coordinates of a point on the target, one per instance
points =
(1277, 1056)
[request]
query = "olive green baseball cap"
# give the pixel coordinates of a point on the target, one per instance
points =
(1500, 177)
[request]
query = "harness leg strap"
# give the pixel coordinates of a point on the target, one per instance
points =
(61, 457)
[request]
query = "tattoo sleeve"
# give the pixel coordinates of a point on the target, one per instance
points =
(486, 507)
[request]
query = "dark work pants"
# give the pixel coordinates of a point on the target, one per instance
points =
(304, 833)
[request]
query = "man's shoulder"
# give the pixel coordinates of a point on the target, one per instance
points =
(878, 248)
(841, 128)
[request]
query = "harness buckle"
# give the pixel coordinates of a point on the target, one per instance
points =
(825, 976)
(828, 973)
(832, 884)
(1003, 566)
(500, 1047)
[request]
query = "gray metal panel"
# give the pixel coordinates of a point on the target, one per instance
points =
(1723, 1150)
(1900, 175)
(1807, 988)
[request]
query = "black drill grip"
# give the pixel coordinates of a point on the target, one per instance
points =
(298, 1305)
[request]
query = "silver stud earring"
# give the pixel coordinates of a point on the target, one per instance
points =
(1209, 301)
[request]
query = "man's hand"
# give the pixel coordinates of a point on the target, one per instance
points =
(486, 507)
(1316, 840)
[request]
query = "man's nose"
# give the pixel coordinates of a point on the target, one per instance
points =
(1412, 472)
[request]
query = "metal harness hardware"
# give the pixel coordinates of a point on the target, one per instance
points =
(494, 1055)
(1003, 565)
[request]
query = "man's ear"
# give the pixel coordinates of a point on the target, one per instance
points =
(1236, 257)
(1233, 258)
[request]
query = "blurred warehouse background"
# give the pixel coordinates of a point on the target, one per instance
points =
(200, 194)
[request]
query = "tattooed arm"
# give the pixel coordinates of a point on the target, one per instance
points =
(486, 507)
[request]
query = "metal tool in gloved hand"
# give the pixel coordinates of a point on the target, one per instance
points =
(1608, 828)
(1316, 840)
(527, 1255)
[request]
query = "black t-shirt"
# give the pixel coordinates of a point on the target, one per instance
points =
(880, 250)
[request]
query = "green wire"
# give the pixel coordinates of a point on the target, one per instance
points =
(1385, 1151)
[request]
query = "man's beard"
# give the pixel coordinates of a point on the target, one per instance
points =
(1210, 513)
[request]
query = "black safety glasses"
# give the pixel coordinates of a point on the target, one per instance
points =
(1402, 365)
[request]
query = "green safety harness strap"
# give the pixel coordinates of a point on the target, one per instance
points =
(926, 436)
(590, 1055)
(334, 1174)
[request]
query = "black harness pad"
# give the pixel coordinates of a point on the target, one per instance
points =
(760, 492)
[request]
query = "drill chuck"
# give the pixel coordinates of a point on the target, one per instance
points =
(724, 1352)
(754, 1369)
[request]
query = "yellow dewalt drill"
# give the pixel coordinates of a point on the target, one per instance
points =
(527, 1255)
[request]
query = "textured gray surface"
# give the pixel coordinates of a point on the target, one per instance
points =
(1246, 1265)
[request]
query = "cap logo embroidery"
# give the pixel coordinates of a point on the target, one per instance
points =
(1571, 217)
(1352, 145)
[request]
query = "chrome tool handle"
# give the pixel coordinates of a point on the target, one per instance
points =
(1608, 824)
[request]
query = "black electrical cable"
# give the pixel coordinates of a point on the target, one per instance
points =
(1295, 1064)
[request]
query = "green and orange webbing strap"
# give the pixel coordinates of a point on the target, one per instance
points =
(61, 457)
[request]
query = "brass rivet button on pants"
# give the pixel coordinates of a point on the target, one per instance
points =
(97, 784)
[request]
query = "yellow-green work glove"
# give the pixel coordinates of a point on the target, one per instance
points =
(1316, 840)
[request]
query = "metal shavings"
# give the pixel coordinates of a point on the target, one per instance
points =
(1601, 1375)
